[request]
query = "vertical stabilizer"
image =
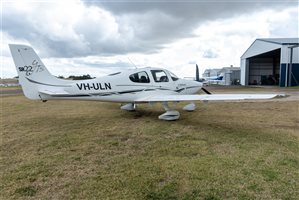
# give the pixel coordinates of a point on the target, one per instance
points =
(32, 72)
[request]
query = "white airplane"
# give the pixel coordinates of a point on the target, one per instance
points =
(136, 86)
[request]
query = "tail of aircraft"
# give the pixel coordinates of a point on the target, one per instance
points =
(220, 77)
(32, 72)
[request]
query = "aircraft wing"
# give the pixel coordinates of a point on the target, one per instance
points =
(212, 97)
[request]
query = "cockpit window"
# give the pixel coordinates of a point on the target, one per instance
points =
(140, 77)
(173, 76)
(159, 76)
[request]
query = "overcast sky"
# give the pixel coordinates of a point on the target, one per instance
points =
(101, 37)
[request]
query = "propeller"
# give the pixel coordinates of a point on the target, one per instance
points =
(198, 79)
(197, 73)
(206, 91)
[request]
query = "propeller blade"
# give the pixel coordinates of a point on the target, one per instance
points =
(197, 73)
(206, 91)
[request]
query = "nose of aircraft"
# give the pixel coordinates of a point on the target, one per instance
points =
(192, 87)
(197, 84)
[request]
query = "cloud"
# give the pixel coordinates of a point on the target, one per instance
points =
(63, 29)
(190, 10)
(285, 21)
(96, 37)
(74, 28)
(166, 21)
(209, 54)
(89, 65)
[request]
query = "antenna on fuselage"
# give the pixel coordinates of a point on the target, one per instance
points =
(132, 62)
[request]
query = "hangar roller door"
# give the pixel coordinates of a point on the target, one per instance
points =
(264, 69)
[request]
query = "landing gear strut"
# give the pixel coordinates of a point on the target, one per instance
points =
(129, 107)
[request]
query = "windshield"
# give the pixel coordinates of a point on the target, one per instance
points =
(173, 76)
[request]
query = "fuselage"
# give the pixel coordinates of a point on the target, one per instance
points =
(126, 86)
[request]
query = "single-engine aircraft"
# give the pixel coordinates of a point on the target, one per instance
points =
(135, 86)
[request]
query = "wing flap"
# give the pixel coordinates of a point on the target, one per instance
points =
(213, 97)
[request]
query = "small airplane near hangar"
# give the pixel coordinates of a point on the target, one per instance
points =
(135, 86)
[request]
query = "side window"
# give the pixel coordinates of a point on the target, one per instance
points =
(140, 77)
(159, 76)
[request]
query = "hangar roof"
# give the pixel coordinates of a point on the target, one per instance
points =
(282, 41)
(263, 45)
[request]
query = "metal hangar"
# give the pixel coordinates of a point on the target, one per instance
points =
(271, 61)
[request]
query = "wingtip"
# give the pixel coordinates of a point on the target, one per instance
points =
(281, 96)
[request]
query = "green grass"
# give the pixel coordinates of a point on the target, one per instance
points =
(92, 150)
(10, 88)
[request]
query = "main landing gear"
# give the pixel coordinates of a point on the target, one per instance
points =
(169, 115)
(129, 107)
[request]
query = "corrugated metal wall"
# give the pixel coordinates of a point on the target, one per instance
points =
(295, 74)
(261, 68)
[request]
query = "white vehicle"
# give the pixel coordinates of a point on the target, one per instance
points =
(146, 85)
